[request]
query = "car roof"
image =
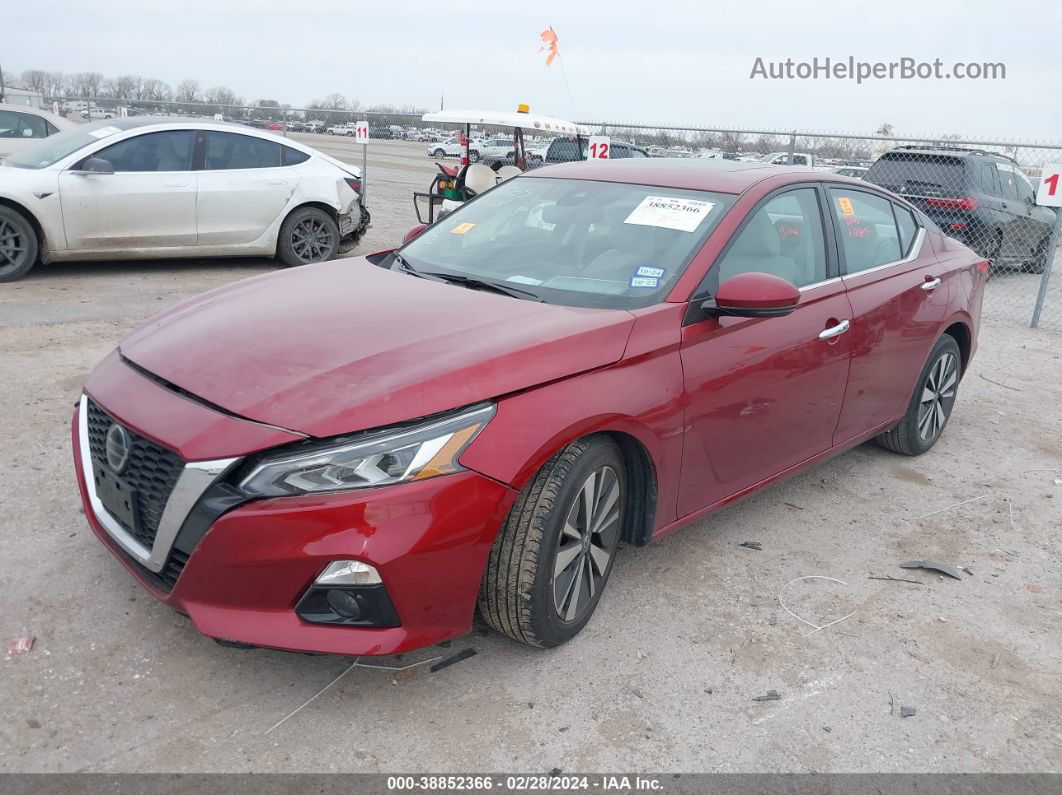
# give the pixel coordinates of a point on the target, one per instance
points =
(946, 151)
(720, 176)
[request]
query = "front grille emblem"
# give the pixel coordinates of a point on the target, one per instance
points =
(117, 448)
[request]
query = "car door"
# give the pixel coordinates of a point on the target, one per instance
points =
(243, 187)
(764, 394)
(899, 296)
(149, 202)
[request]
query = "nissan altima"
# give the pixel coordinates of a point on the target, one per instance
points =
(352, 456)
(143, 188)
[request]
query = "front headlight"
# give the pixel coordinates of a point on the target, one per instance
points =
(412, 453)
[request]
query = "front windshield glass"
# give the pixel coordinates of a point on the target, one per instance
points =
(53, 149)
(573, 242)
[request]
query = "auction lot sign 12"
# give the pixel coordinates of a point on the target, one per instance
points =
(598, 148)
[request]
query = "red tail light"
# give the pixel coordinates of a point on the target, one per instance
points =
(957, 227)
(966, 204)
(355, 184)
(983, 266)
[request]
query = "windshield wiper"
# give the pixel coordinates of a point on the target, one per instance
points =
(481, 284)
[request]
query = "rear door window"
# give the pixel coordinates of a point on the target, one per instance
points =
(907, 227)
(158, 151)
(233, 151)
(867, 228)
(1008, 180)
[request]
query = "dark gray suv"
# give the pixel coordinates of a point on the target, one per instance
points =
(981, 198)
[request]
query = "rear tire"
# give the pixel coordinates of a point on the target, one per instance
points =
(18, 245)
(552, 558)
(439, 153)
(307, 236)
(931, 404)
(1039, 260)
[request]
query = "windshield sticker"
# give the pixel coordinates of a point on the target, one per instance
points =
(649, 270)
(668, 212)
(846, 205)
(645, 281)
(523, 279)
(461, 229)
(103, 132)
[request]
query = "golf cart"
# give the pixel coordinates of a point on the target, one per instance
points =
(453, 186)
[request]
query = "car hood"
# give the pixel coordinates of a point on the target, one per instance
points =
(346, 346)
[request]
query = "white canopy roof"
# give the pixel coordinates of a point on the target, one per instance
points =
(503, 118)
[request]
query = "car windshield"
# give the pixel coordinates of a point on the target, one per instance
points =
(53, 149)
(573, 242)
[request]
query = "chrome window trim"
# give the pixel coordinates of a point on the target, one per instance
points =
(194, 480)
(916, 249)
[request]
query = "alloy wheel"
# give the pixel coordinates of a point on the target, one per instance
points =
(12, 246)
(588, 540)
(938, 395)
(312, 240)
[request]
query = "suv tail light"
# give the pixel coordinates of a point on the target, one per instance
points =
(355, 184)
(966, 204)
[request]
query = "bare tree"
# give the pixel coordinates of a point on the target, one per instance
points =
(36, 80)
(335, 101)
(153, 90)
(128, 86)
(220, 95)
(85, 84)
(56, 84)
(187, 91)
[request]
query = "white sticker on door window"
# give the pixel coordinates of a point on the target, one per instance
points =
(670, 213)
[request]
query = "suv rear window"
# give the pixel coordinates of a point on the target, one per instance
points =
(917, 174)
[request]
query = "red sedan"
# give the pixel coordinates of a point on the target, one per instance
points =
(350, 457)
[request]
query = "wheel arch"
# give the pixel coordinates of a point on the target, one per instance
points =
(959, 330)
(38, 228)
(635, 445)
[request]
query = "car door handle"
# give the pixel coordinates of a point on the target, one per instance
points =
(933, 284)
(278, 182)
(176, 185)
(834, 331)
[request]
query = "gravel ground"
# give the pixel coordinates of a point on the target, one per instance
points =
(665, 676)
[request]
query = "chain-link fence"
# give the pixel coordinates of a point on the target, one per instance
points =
(980, 192)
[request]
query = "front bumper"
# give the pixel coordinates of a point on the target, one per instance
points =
(428, 539)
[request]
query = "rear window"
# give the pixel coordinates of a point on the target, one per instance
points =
(916, 174)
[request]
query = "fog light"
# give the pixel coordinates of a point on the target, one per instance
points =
(348, 572)
(344, 603)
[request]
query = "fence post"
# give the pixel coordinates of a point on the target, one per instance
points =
(1046, 275)
(792, 146)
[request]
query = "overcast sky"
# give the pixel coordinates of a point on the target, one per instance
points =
(653, 61)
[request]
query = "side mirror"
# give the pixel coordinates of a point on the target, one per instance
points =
(412, 233)
(95, 165)
(753, 295)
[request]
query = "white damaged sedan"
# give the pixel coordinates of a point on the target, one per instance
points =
(147, 187)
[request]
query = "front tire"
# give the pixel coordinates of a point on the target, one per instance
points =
(18, 245)
(932, 402)
(439, 153)
(550, 562)
(308, 235)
